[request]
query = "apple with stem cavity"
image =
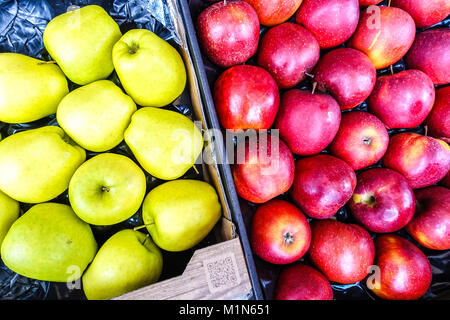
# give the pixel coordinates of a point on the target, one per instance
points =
(288, 51)
(228, 32)
(302, 282)
(273, 12)
(263, 169)
(343, 252)
(438, 121)
(385, 34)
(362, 139)
(421, 159)
(382, 201)
(331, 22)
(429, 53)
(347, 74)
(424, 12)
(307, 122)
(402, 100)
(322, 185)
(246, 97)
(404, 270)
(431, 223)
(280, 233)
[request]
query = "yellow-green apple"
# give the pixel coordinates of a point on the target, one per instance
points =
(150, 70)
(107, 189)
(331, 22)
(307, 122)
(362, 139)
(438, 121)
(246, 97)
(80, 41)
(429, 53)
(9, 212)
(322, 185)
(382, 201)
(49, 243)
(96, 115)
(45, 83)
(404, 270)
(279, 233)
(36, 165)
(165, 143)
(342, 251)
(273, 12)
(421, 159)
(228, 32)
(425, 13)
(302, 282)
(265, 171)
(127, 261)
(347, 74)
(384, 34)
(402, 100)
(288, 51)
(430, 225)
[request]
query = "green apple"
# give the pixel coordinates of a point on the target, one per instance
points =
(127, 261)
(179, 214)
(36, 165)
(30, 89)
(151, 71)
(9, 212)
(107, 189)
(96, 115)
(165, 143)
(49, 242)
(81, 42)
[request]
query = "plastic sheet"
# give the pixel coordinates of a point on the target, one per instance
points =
(268, 273)
(21, 27)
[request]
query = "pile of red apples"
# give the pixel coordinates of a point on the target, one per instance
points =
(355, 132)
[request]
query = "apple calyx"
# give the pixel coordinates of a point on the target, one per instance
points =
(367, 199)
(133, 48)
(107, 189)
(367, 141)
(288, 238)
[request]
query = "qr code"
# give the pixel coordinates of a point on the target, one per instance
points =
(222, 273)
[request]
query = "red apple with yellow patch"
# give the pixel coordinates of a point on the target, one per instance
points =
(280, 233)
(431, 223)
(421, 159)
(273, 12)
(404, 270)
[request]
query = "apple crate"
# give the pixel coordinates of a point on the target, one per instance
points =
(221, 266)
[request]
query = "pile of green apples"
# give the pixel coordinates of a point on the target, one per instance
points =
(53, 241)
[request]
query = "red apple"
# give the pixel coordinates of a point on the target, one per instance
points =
(264, 173)
(343, 252)
(362, 139)
(382, 201)
(280, 233)
(307, 122)
(331, 22)
(273, 12)
(429, 53)
(288, 51)
(422, 160)
(347, 74)
(430, 226)
(322, 185)
(246, 97)
(404, 271)
(402, 100)
(424, 12)
(366, 3)
(228, 32)
(302, 282)
(438, 121)
(385, 34)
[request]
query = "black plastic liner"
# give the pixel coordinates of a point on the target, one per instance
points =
(267, 272)
(21, 27)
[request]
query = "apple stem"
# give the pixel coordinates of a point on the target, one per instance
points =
(195, 168)
(309, 75)
(426, 130)
(314, 85)
(47, 62)
(389, 3)
(392, 69)
(141, 227)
